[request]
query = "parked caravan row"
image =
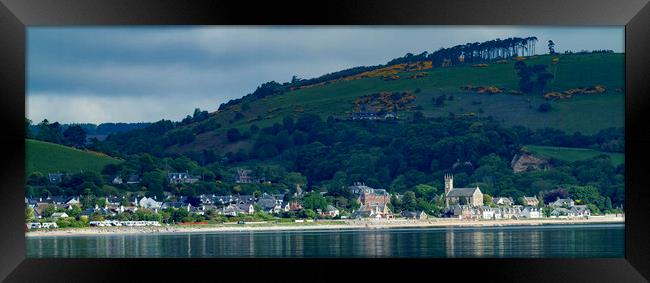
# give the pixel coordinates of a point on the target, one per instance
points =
(107, 223)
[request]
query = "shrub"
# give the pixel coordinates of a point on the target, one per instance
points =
(544, 107)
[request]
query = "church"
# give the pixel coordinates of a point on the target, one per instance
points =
(463, 196)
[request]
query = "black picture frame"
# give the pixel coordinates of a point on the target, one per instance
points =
(15, 15)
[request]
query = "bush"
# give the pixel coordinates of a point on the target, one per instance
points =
(233, 135)
(544, 107)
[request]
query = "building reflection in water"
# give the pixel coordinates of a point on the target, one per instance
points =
(517, 242)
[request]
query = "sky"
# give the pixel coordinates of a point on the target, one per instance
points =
(145, 74)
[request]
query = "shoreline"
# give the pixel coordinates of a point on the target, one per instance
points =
(324, 225)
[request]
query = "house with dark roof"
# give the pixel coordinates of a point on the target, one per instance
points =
(469, 196)
(181, 178)
(562, 202)
(269, 203)
(133, 180)
(460, 211)
(330, 211)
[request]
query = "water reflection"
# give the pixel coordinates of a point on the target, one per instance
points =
(519, 242)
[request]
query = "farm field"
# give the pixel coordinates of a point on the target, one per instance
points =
(573, 154)
(47, 157)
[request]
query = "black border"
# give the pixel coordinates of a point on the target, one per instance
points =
(634, 14)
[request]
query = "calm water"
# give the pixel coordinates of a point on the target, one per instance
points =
(542, 241)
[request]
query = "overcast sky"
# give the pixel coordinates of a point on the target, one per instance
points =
(132, 74)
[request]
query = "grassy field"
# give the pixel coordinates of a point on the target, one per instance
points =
(583, 113)
(47, 157)
(573, 154)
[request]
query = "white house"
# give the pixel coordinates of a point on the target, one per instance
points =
(531, 212)
(510, 212)
(57, 215)
(581, 211)
(151, 203)
(503, 201)
(487, 212)
(117, 180)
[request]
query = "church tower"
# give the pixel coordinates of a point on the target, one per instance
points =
(449, 183)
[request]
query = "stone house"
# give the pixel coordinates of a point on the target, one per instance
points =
(531, 201)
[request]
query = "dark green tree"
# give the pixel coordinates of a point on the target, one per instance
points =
(75, 135)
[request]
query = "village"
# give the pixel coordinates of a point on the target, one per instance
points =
(463, 204)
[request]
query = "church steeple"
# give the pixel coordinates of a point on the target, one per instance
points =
(449, 183)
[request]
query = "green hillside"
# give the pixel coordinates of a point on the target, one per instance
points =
(48, 157)
(585, 113)
(573, 154)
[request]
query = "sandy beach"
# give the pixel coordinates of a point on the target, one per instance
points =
(324, 225)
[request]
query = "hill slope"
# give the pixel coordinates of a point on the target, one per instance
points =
(48, 157)
(574, 154)
(585, 113)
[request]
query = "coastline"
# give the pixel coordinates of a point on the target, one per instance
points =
(324, 225)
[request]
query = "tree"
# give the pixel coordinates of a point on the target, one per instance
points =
(440, 100)
(75, 211)
(294, 178)
(75, 135)
(29, 214)
(532, 78)
(314, 201)
(418, 117)
(154, 182)
(553, 195)
(551, 47)
(28, 124)
(49, 132)
(111, 169)
(487, 199)
(233, 135)
(288, 123)
(587, 195)
(425, 191)
(254, 129)
(48, 211)
(409, 201)
(544, 107)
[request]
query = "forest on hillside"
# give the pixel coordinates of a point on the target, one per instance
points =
(400, 156)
